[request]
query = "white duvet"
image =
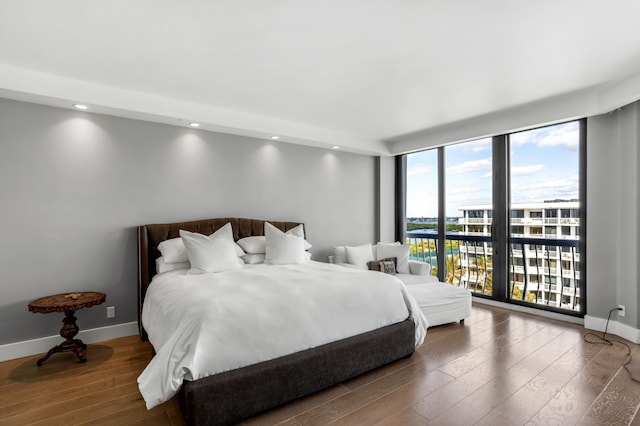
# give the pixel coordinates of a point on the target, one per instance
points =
(200, 325)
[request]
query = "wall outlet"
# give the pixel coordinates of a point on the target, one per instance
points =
(111, 311)
(621, 311)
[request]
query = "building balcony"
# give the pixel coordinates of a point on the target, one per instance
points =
(474, 221)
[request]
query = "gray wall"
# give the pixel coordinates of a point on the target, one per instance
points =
(613, 197)
(74, 185)
(387, 197)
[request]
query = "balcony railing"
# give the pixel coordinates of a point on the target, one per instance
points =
(543, 271)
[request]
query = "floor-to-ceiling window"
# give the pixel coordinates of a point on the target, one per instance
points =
(422, 206)
(545, 191)
(468, 194)
(502, 216)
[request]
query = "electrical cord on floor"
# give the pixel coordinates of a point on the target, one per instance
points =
(604, 341)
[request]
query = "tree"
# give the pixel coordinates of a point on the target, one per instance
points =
(454, 270)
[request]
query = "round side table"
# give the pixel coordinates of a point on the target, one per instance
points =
(67, 303)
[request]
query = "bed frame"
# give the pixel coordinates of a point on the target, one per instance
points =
(229, 397)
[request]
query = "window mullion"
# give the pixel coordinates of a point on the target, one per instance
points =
(442, 216)
(501, 218)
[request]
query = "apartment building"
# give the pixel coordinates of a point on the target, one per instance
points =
(544, 261)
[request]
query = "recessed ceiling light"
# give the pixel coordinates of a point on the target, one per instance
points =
(275, 138)
(80, 106)
(194, 124)
(335, 147)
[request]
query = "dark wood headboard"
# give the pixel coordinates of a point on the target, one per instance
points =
(149, 236)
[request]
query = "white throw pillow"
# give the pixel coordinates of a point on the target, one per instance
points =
(399, 251)
(284, 248)
(215, 253)
(360, 255)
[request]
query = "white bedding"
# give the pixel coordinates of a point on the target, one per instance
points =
(200, 325)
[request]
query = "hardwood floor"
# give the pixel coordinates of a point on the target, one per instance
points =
(499, 368)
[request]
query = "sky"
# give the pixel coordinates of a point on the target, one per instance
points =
(544, 166)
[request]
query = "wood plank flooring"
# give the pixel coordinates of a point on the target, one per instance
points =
(498, 368)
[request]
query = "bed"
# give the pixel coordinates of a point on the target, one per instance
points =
(231, 395)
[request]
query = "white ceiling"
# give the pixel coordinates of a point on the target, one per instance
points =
(353, 73)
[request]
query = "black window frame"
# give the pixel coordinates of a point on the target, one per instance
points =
(501, 218)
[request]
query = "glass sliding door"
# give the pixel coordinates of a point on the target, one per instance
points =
(544, 256)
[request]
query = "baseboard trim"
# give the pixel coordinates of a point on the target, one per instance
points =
(533, 311)
(43, 344)
(589, 322)
(623, 330)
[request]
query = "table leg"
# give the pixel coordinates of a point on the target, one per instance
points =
(68, 331)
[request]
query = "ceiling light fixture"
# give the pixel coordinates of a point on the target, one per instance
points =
(80, 106)
(194, 124)
(275, 138)
(335, 147)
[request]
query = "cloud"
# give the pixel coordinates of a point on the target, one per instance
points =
(467, 192)
(422, 202)
(471, 166)
(418, 169)
(569, 138)
(545, 189)
(526, 170)
(566, 135)
(517, 139)
(481, 145)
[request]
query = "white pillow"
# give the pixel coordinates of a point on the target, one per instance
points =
(256, 258)
(256, 244)
(173, 251)
(238, 249)
(253, 258)
(252, 244)
(360, 255)
(215, 253)
(284, 248)
(375, 248)
(164, 266)
(340, 254)
(399, 251)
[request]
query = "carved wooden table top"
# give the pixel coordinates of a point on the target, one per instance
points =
(67, 302)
